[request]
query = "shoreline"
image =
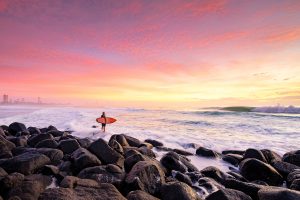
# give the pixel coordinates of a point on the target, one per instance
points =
(54, 164)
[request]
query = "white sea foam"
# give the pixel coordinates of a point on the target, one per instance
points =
(218, 130)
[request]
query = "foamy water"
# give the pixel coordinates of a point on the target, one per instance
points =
(215, 129)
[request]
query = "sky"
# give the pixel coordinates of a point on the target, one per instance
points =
(151, 53)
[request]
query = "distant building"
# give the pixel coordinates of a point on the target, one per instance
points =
(5, 98)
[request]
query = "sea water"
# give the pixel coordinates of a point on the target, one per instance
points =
(211, 128)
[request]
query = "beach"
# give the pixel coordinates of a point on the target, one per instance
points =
(148, 154)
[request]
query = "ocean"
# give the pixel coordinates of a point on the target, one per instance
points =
(212, 128)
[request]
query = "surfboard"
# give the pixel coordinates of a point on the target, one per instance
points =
(108, 120)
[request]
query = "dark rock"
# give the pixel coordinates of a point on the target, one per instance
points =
(237, 176)
(250, 189)
(49, 143)
(276, 193)
(182, 177)
(183, 152)
(162, 148)
(68, 146)
(133, 159)
(202, 151)
(104, 174)
(55, 155)
(271, 156)
(105, 153)
(2, 131)
(292, 176)
(239, 152)
(31, 187)
(120, 139)
(34, 130)
(2, 172)
(18, 141)
(73, 181)
(253, 169)
(147, 145)
(254, 153)
(233, 159)
(50, 170)
(65, 166)
(26, 163)
(284, 168)
(145, 175)
(132, 141)
(130, 152)
(154, 143)
(116, 146)
(147, 152)
(209, 184)
(17, 127)
(292, 157)
(51, 128)
(215, 174)
(34, 139)
(82, 158)
(56, 133)
(194, 176)
(84, 142)
(228, 194)
(295, 185)
(178, 190)
(10, 181)
(6, 147)
(140, 195)
(172, 161)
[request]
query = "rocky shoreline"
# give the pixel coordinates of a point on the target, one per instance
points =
(45, 163)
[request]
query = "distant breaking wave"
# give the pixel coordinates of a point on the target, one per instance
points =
(277, 109)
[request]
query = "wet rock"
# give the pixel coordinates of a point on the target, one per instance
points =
(6, 147)
(233, 159)
(215, 174)
(239, 152)
(237, 176)
(34, 130)
(133, 159)
(2, 133)
(26, 163)
(10, 181)
(49, 143)
(132, 141)
(182, 177)
(147, 145)
(250, 189)
(120, 139)
(145, 175)
(172, 161)
(73, 181)
(284, 168)
(183, 152)
(17, 127)
(55, 155)
(147, 152)
(84, 142)
(271, 156)
(50, 170)
(292, 157)
(254, 153)
(34, 139)
(56, 133)
(154, 143)
(140, 195)
(104, 174)
(2, 172)
(295, 185)
(68, 146)
(228, 194)
(82, 158)
(116, 146)
(194, 176)
(209, 184)
(276, 193)
(18, 141)
(31, 187)
(253, 169)
(178, 190)
(105, 153)
(202, 151)
(292, 176)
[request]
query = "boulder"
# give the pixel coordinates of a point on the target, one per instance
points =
(172, 161)
(10, 181)
(133, 159)
(233, 159)
(34, 139)
(146, 151)
(204, 152)
(104, 192)
(84, 142)
(73, 181)
(49, 143)
(2, 133)
(104, 174)
(50, 170)
(17, 127)
(132, 141)
(271, 156)
(154, 143)
(182, 177)
(292, 157)
(68, 146)
(250, 189)
(55, 155)
(228, 194)
(145, 175)
(31, 187)
(239, 152)
(178, 190)
(105, 153)
(120, 139)
(295, 185)
(56, 133)
(254, 153)
(253, 169)
(82, 158)
(34, 130)
(237, 176)
(292, 176)
(284, 168)
(183, 152)
(6, 147)
(26, 163)
(116, 146)
(215, 174)
(194, 176)
(2, 172)
(140, 195)
(276, 193)
(209, 185)
(18, 141)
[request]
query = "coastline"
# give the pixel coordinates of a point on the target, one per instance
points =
(54, 164)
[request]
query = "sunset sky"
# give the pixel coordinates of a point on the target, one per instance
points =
(140, 53)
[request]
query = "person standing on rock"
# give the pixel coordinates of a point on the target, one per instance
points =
(103, 124)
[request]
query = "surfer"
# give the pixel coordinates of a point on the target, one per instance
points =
(103, 124)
